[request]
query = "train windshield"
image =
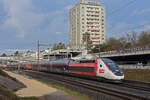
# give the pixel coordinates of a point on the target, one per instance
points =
(113, 66)
(82, 61)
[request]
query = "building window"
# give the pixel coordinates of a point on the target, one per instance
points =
(96, 8)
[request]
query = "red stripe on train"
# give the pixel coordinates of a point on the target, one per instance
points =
(51, 67)
(82, 64)
(84, 73)
(28, 66)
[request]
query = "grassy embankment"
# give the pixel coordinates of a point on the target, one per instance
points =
(6, 94)
(137, 74)
(131, 74)
(2, 73)
(73, 93)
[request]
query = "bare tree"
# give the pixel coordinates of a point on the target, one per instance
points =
(144, 38)
(134, 38)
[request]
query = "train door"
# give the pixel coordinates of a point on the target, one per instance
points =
(39, 67)
(48, 65)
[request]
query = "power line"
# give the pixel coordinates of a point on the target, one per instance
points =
(119, 9)
(139, 26)
(124, 6)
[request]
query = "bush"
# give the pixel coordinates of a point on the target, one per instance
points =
(7, 94)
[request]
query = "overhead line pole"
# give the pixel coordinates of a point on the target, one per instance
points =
(38, 44)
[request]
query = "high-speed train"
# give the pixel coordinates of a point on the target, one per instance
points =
(100, 68)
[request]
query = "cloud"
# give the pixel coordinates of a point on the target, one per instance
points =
(140, 12)
(116, 30)
(26, 21)
(20, 36)
(21, 16)
(121, 28)
(69, 7)
(58, 33)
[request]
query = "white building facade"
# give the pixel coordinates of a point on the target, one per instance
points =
(87, 17)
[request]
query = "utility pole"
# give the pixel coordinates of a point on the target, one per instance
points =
(38, 45)
(99, 51)
(87, 42)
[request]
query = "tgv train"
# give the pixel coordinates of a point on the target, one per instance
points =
(101, 68)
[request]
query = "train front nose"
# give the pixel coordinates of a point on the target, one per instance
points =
(118, 72)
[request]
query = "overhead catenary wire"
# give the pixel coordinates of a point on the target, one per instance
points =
(124, 6)
(136, 27)
(119, 9)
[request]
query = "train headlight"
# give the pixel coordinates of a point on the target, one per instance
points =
(118, 73)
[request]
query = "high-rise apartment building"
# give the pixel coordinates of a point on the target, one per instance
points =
(87, 17)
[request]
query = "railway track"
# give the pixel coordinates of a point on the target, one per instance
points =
(136, 85)
(97, 90)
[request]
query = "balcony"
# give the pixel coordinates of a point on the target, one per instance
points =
(95, 37)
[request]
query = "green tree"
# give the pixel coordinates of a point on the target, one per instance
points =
(16, 53)
(129, 40)
(58, 46)
(4, 55)
(100, 48)
(87, 41)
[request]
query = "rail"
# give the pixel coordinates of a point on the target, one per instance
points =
(95, 89)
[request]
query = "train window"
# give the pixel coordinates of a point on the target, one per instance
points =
(82, 61)
(87, 61)
(106, 60)
(74, 61)
(82, 69)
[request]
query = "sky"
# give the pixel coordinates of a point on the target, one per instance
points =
(23, 22)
